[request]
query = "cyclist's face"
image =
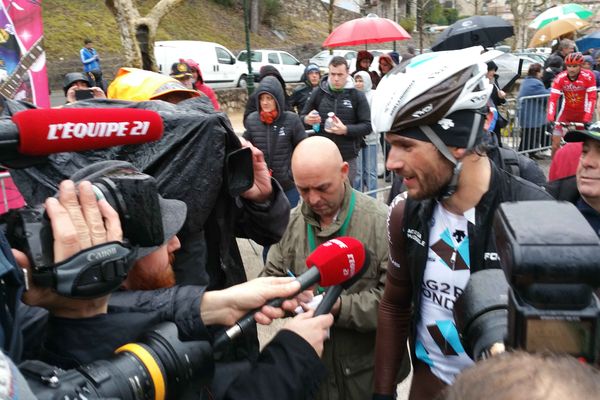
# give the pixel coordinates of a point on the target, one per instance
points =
(588, 172)
(573, 69)
(424, 169)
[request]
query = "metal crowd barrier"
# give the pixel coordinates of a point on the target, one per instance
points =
(526, 127)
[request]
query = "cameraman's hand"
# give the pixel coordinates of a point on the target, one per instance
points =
(225, 307)
(315, 330)
(262, 189)
(78, 222)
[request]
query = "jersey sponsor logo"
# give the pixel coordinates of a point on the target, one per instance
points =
(441, 293)
(491, 256)
(416, 236)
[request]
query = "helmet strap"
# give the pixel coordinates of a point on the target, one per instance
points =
(450, 189)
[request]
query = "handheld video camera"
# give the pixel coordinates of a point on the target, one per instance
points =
(159, 367)
(99, 269)
(550, 257)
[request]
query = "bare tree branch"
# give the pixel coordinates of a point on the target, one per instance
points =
(162, 8)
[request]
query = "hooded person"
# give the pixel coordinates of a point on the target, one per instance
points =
(276, 133)
(386, 64)
(364, 59)
(199, 82)
(366, 171)
(267, 70)
(310, 79)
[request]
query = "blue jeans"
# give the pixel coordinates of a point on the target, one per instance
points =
(366, 170)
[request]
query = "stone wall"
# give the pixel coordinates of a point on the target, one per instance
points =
(234, 100)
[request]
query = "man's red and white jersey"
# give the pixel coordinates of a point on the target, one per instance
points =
(579, 97)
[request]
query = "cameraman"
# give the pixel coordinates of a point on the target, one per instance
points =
(79, 223)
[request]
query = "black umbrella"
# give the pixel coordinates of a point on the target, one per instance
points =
(481, 30)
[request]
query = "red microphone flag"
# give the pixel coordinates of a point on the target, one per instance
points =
(338, 260)
(47, 131)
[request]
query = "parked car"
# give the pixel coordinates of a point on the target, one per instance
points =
(322, 59)
(288, 66)
(219, 66)
(538, 57)
(508, 64)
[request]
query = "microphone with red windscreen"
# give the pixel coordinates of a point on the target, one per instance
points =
(332, 263)
(40, 132)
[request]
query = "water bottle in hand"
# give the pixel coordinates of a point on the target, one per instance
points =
(329, 120)
(316, 127)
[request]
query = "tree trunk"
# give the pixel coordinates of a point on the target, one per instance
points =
(254, 15)
(137, 32)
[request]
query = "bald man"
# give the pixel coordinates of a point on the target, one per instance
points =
(331, 208)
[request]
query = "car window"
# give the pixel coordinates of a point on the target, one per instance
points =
(257, 56)
(288, 59)
(223, 57)
(273, 58)
(350, 56)
(322, 54)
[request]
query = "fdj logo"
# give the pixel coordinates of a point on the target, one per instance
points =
(491, 256)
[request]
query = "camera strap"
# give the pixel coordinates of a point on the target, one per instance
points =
(93, 272)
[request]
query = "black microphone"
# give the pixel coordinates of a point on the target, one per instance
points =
(332, 263)
(334, 292)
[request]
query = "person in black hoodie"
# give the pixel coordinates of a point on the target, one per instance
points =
(276, 133)
(310, 79)
(266, 70)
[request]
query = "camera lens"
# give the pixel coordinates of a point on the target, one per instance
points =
(158, 367)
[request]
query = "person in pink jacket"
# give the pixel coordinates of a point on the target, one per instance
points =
(199, 82)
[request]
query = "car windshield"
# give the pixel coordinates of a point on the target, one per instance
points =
(256, 56)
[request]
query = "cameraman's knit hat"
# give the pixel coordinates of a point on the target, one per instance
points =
(173, 212)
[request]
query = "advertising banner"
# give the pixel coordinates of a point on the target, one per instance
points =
(22, 60)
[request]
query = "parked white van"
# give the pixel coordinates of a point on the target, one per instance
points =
(220, 69)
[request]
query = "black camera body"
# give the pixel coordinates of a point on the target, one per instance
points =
(98, 270)
(550, 256)
(159, 367)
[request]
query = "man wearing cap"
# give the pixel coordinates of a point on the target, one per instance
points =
(312, 76)
(74, 81)
(183, 73)
(583, 189)
(440, 230)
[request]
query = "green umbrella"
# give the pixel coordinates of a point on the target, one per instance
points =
(570, 10)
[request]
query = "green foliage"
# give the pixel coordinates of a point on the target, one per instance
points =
(272, 10)
(408, 24)
(451, 15)
(434, 14)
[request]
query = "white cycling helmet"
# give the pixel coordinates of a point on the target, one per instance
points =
(438, 97)
(428, 87)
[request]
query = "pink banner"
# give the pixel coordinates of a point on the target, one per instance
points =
(22, 61)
